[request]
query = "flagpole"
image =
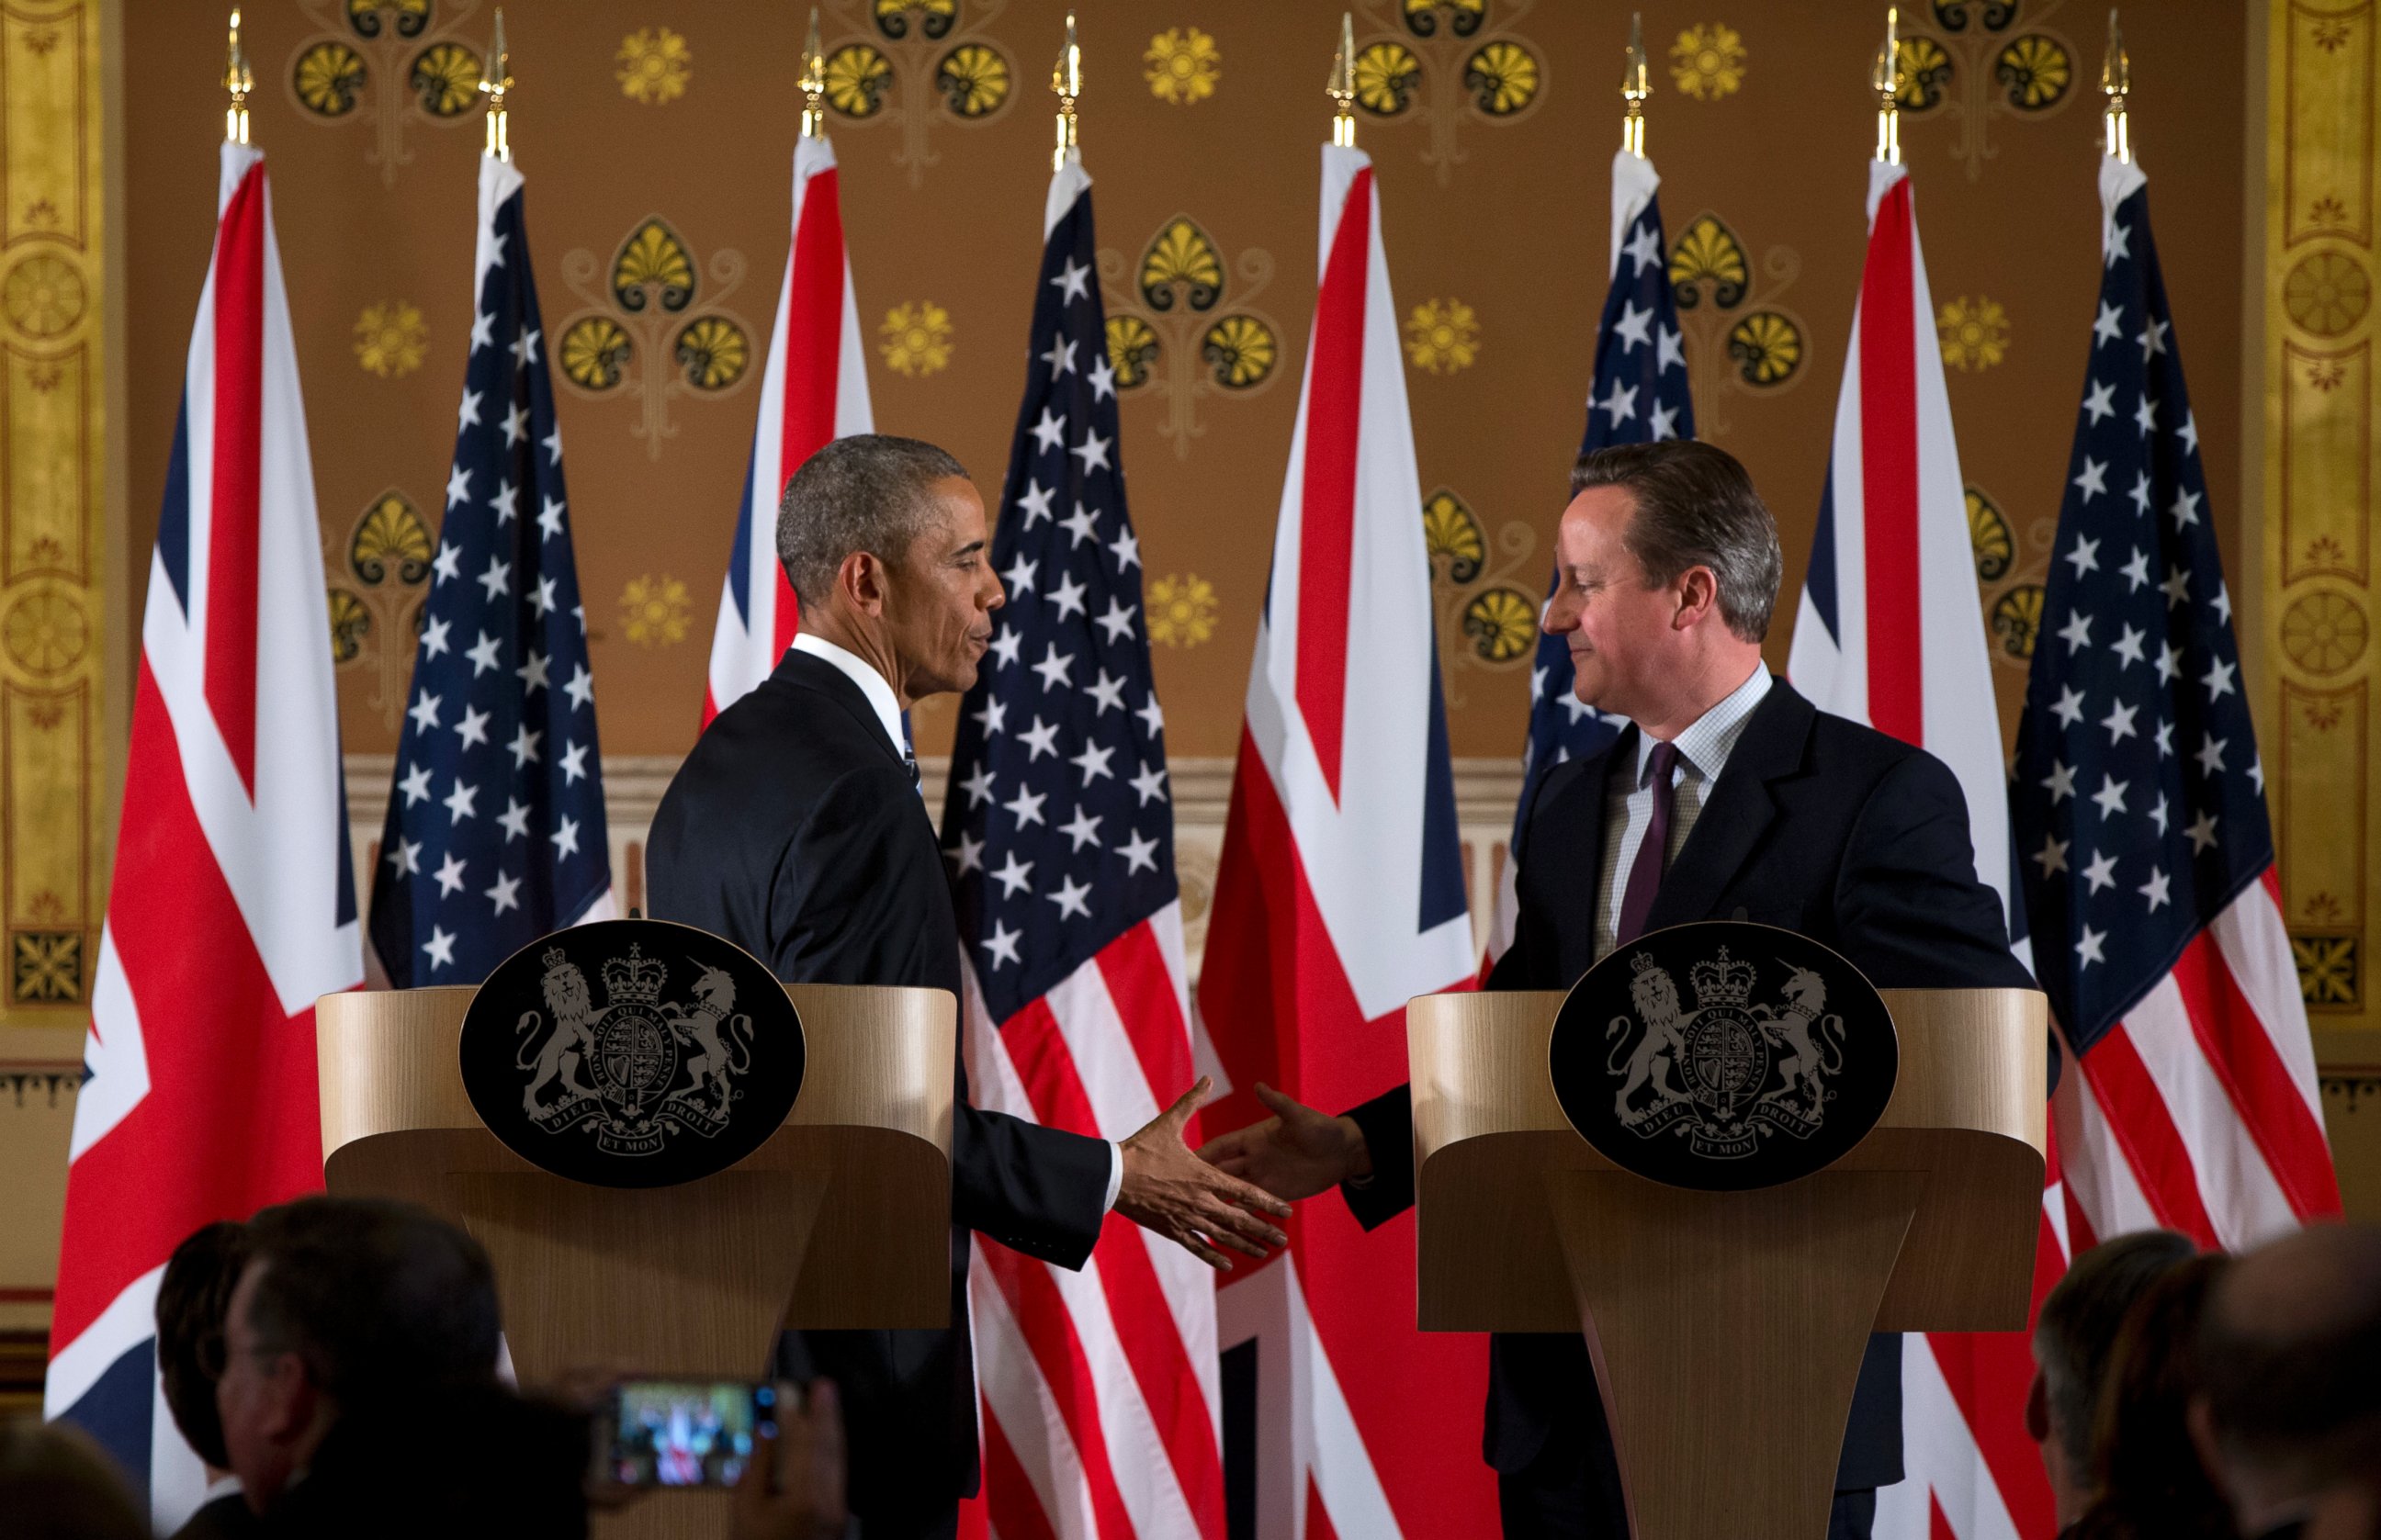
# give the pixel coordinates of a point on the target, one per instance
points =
(1067, 84)
(813, 83)
(1342, 87)
(2115, 84)
(496, 85)
(1636, 84)
(238, 80)
(1885, 79)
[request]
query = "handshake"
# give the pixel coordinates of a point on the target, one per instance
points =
(1218, 1196)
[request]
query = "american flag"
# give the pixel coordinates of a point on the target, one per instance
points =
(1100, 1387)
(1639, 396)
(495, 826)
(2138, 803)
(232, 907)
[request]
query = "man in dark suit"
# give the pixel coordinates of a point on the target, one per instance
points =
(795, 829)
(1730, 797)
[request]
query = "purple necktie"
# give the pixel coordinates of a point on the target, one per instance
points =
(1645, 872)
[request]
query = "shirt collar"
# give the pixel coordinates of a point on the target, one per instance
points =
(1706, 741)
(872, 685)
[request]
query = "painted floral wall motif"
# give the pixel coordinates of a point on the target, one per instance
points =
(1445, 64)
(651, 332)
(1172, 334)
(393, 64)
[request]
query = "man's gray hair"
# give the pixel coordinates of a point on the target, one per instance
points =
(865, 492)
(1695, 507)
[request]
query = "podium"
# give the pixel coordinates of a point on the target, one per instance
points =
(1727, 1328)
(840, 1219)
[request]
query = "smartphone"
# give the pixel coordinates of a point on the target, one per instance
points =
(686, 1433)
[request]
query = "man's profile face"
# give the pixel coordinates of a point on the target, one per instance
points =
(1620, 632)
(940, 596)
(265, 1400)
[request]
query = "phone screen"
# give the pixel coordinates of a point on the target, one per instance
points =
(685, 1432)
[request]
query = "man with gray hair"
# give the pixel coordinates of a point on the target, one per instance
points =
(795, 829)
(1730, 797)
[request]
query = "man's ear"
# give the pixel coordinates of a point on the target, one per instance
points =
(1697, 594)
(860, 576)
(290, 1395)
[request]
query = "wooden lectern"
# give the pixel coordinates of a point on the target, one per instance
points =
(1729, 1327)
(841, 1219)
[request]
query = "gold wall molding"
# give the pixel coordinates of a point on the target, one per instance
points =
(2318, 584)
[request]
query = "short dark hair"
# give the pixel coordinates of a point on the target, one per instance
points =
(191, 1298)
(2077, 1329)
(864, 493)
(1695, 507)
(2295, 1388)
(2149, 1477)
(378, 1297)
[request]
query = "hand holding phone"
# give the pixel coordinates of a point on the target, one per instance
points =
(682, 1432)
(793, 1487)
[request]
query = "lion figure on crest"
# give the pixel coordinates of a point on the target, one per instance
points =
(1656, 1057)
(571, 1039)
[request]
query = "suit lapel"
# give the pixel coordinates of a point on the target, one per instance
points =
(1740, 810)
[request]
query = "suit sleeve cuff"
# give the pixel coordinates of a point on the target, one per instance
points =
(1116, 1176)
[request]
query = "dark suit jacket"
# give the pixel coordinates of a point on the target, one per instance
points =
(795, 830)
(1817, 824)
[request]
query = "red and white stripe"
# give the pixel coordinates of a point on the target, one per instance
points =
(1317, 942)
(230, 911)
(813, 389)
(1102, 1417)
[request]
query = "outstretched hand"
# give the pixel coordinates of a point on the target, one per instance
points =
(1296, 1153)
(1171, 1191)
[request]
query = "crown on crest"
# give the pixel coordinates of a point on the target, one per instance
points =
(554, 958)
(1642, 964)
(635, 977)
(1722, 981)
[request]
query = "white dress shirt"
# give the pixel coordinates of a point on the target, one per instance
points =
(1703, 747)
(888, 707)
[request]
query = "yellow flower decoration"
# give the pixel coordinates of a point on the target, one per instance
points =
(595, 351)
(391, 530)
(1184, 64)
(917, 338)
(1708, 252)
(1767, 348)
(1181, 255)
(1921, 70)
(974, 81)
(1442, 337)
(1503, 79)
(2327, 293)
(2324, 633)
(412, 16)
(2326, 968)
(654, 65)
(49, 966)
(1241, 350)
(1707, 62)
(1990, 537)
(2017, 620)
(1181, 611)
(1422, 16)
(653, 611)
(1975, 334)
(43, 295)
(329, 78)
(391, 339)
(1387, 74)
(653, 260)
(350, 623)
(1502, 624)
(857, 79)
(2036, 71)
(893, 17)
(713, 352)
(1450, 529)
(1132, 350)
(46, 631)
(446, 78)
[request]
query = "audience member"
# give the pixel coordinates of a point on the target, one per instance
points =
(2148, 1483)
(54, 1484)
(794, 1487)
(191, 1298)
(2071, 1339)
(2288, 1409)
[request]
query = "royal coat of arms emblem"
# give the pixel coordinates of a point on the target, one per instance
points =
(1748, 1086)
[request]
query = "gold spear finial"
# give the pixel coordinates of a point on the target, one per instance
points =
(813, 83)
(1066, 80)
(1636, 84)
(495, 83)
(1342, 89)
(2115, 84)
(238, 80)
(1885, 79)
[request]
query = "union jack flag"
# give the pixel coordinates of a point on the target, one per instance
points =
(233, 907)
(1099, 1386)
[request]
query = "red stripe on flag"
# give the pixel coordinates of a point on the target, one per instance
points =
(233, 520)
(1889, 387)
(1133, 966)
(1326, 521)
(813, 324)
(2145, 1134)
(1008, 1491)
(2240, 1054)
(231, 1122)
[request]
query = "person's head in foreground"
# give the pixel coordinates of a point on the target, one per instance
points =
(54, 1484)
(1668, 566)
(2288, 1409)
(192, 1298)
(2148, 1483)
(885, 542)
(2072, 1337)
